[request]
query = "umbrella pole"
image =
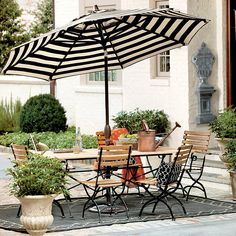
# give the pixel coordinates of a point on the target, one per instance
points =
(107, 129)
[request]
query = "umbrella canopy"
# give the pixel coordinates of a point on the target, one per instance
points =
(102, 40)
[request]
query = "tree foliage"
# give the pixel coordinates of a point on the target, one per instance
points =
(12, 31)
(43, 18)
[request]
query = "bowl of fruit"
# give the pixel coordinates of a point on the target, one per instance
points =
(128, 139)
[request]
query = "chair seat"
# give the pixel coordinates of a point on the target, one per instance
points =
(152, 181)
(105, 183)
(147, 181)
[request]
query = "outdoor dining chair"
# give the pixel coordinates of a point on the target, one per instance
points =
(133, 174)
(110, 159)
(20, 152)
(167, 181)
(115, 133)
(195, 167)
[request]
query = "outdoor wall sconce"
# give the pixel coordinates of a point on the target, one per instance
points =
(203, 61)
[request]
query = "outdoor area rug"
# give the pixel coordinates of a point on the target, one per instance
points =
(196, 206)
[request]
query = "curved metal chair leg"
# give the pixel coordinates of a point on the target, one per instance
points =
(60, 207)
(154, 207)
(202, 188)
(18, 212)
(171, 212)
(180, 203)
(84, 207)
(144, 205)
(123, 202)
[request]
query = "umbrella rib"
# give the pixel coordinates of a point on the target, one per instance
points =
(138, 27)
(114, 51)
(34, 42)
(68, 51)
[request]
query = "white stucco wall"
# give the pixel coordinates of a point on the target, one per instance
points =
(21, 87)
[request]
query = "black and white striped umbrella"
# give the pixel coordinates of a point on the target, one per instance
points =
(102, 40)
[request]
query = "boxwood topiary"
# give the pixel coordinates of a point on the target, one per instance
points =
(42, 113)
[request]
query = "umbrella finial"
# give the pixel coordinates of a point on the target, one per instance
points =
(95, 8)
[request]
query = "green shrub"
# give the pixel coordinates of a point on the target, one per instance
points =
(89, 141)
(17, 138)
(132, 120)
(224, 125)
(52, 140)
(39, 175)
(42, 113)
(9, 115)
(230, 154)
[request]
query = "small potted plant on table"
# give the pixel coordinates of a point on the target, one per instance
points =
(224, 127)
(35, 183)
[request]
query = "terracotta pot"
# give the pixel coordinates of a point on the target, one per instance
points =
(36, 213)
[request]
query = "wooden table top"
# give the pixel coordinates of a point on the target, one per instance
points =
(90, 154)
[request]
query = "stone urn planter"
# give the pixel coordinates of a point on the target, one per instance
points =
(230, 153)
(222, 144)
(36, 213)
(224, 128)
(233, 183)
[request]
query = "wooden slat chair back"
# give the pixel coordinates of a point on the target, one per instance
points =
(110, 159)
(114, 156)
(115, 133)
(168, 180)
(100, 138)
(200, 142)
(20, 152)
(182, 155)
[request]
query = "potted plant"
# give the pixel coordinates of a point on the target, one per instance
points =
(224, 127)
(230, 153)
(35, 182)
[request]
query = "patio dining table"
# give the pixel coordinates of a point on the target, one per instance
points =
(92, 154)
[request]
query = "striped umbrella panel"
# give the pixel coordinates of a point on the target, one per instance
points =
(126, 37)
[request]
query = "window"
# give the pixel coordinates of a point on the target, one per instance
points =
(162, 60)
(163, 64)
(100, 76)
